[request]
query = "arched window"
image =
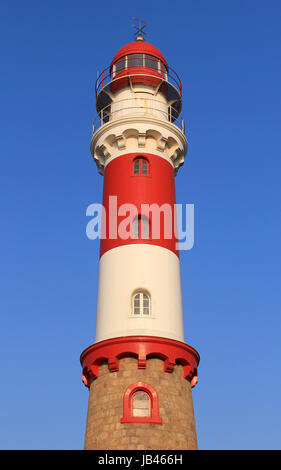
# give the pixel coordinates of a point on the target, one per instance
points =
(141, 227)
(141, 166)
(140, 404)
(141, 304)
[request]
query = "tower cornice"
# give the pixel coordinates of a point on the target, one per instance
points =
(169, 350)
(138, 133)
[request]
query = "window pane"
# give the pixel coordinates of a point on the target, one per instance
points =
(135, 60)
(141, 404)
(151, 62)
(145, 228)
(140, 412)
(141, 396)
(163, 69)
(144, 167)
(120, 65)
(136, 228)
(145, 304)
(136, 167)
(136, 310)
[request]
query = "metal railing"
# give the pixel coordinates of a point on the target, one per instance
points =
(126, 64)
(169, 114)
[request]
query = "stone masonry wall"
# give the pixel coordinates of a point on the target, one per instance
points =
(105, 409)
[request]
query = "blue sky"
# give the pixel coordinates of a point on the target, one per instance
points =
(228, 57)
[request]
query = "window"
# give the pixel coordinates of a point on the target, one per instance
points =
(141, 227)
(141, 166)
(151, 62)
(135, 60)
(140, 60)
(141, 304)
(140, 404)
(120, 64)
(145, 60)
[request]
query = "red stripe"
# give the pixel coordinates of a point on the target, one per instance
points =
(157, 187)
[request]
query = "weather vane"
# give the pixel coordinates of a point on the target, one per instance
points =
(140, 29)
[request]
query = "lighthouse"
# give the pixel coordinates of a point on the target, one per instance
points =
(140, 371)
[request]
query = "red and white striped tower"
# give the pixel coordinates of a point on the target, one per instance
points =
(139, 370)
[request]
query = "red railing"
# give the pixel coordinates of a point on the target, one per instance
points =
(157, 68)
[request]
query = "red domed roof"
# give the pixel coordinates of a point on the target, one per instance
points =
(139, 47)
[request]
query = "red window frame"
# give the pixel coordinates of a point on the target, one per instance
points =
(128, 405)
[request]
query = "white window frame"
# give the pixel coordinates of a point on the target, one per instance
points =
(113, 70)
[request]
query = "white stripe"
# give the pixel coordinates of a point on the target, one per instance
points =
(125, 269)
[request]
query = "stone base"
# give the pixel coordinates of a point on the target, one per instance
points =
(104, 430)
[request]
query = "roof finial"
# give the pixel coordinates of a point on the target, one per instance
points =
(140, 29)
